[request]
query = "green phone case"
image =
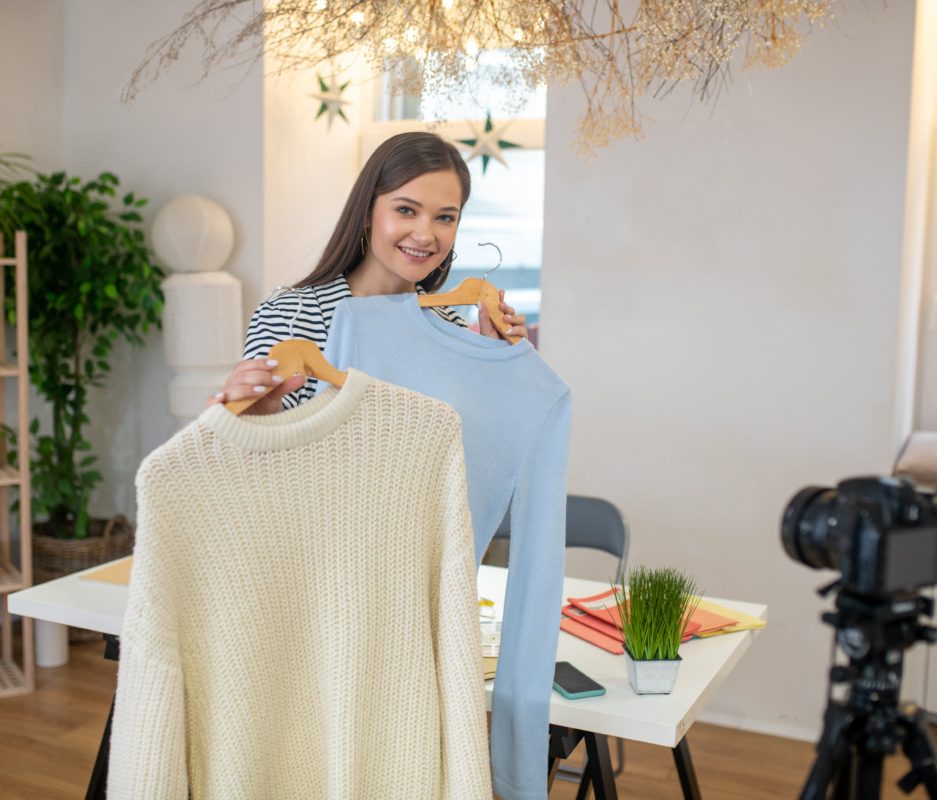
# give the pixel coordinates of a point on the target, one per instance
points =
(578, 695)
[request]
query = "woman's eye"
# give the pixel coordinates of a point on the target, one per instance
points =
(406, 210)
(447, 217)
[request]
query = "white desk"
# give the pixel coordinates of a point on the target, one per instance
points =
(655, 719)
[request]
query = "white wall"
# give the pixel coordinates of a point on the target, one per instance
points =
(726, 314)
(31, 121)
(178, 136)
(31, 44)
(309, 169)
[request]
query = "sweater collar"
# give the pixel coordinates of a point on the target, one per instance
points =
(307, 422)
(454, 337)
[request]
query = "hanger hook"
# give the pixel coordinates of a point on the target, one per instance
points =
(279, 291)
(500, 257)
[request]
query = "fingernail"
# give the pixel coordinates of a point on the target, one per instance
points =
(272, 362)
(260, 389)
(509, 330)
(276, 379)
(219, 396)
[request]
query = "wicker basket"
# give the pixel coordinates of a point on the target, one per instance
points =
(54, 557)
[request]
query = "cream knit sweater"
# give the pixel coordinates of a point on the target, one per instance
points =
(302, 620)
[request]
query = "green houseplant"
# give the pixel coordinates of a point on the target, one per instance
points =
(654, 609)
(92, 283)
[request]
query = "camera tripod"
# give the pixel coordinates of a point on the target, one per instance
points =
(859, 732)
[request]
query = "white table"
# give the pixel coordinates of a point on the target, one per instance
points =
(655, 719)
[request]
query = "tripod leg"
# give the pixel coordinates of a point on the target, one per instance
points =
(918, 746)
(833, 753)
(868, 784)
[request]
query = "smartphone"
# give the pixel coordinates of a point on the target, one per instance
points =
(573, 684)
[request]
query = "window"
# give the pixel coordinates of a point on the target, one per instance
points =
(506, 208)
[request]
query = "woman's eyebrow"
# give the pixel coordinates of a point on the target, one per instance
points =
(418, 204)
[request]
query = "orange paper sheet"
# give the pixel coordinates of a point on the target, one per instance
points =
(592, 636)
(602, 607)
(585, 618)
(116, 572)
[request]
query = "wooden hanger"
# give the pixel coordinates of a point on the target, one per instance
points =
(473, 291)
(296, 356)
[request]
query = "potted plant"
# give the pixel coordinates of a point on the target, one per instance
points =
(654, 609)
(92, 283)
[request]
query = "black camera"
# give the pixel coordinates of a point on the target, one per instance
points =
(880, 533)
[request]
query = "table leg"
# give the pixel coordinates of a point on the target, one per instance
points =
(681, 756)
(97, 786)
(599, 767)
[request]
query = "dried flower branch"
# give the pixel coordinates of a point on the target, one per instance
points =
(436, 43)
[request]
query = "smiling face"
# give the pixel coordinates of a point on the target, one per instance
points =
(412, 229)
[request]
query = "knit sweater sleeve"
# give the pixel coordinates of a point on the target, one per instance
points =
(521, 703)
(148, 753)
(459, 674)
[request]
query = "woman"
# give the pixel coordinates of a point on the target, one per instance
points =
(395, 235)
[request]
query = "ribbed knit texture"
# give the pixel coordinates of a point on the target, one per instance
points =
(515, 414)
(302, 619)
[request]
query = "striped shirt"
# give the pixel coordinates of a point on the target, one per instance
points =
(305, 313)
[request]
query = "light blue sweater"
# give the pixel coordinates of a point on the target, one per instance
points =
(515, 428)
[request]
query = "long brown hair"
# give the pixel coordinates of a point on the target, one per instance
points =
(396, 161)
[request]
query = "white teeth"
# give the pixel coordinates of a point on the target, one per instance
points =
(418, 253)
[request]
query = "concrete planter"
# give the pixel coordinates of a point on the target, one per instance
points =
(652, 677)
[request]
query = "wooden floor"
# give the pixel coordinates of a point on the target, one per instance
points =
(48, 742)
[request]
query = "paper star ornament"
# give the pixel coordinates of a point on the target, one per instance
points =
(330, 99)
(488, 143)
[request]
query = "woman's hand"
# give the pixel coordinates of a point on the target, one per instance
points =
(252, 378)
(487, 328)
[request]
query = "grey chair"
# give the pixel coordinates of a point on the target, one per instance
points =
(590, 522)
(594, 523)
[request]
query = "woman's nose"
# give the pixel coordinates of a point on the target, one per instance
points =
(423, 231)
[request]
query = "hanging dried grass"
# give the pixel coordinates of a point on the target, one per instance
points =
(617, 58)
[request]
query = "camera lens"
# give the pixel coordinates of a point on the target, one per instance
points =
(808, 526)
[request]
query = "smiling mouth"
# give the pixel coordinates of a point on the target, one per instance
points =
(415, 253)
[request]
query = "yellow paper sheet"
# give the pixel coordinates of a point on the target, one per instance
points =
(744, 622)
(489, 664)
(116, 572)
